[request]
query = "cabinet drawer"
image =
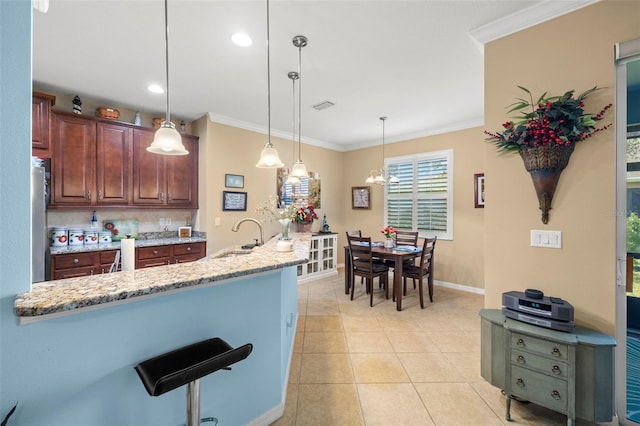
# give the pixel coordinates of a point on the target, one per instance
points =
(538, 388)
(154, 252)
(66, 261)
(542, 347)
(189, 248)
(84, 271)
(107, 256)
(552, 367)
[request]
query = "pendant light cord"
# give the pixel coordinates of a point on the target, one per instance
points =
(300, 103)
(268, 83)
(166, 54)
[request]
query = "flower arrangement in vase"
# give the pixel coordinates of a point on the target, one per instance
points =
(389, 232)
(546, 136)
(304, 217)
(283, 214)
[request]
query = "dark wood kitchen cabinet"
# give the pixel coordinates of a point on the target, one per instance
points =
(40, 111)
(147, 257)
(164, 180)
(81, 264)
(189, 252)
(91, 162)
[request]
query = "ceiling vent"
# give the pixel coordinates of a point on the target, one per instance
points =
(323, 105)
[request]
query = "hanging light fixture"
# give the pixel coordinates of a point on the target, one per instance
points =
(167, 140)
(269, 158)
(299, 169)
(291, 179)
(380, 176)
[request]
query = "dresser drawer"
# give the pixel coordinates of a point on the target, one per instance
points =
(538, 388)
(539, 346)
(552, 367)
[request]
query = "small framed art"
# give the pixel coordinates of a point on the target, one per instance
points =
(233, 181)
(234, 201)
(360, 197)
(478, 189)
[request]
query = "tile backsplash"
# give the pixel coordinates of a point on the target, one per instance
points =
(148, 220)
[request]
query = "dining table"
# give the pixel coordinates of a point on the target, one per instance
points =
(397, 254)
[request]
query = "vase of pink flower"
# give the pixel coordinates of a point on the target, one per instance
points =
(389, 233)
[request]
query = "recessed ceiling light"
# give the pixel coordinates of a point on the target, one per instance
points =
(154, 88)
(241, 39)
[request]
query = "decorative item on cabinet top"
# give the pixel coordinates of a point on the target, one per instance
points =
(108, 113)
(120, 228)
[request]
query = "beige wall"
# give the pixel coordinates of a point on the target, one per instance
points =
(571, 52)
(459, 261)
(225, 149)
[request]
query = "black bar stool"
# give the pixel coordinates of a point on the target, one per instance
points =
(187, 365)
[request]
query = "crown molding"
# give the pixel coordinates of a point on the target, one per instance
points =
(525, 18)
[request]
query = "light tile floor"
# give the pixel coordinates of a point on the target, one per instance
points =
(360, 365)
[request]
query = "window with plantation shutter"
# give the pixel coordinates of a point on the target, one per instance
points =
(422, 200)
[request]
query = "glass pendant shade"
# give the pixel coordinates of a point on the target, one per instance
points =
(370, 179)
(394, 179)
(167, 141)
(379, 179)
(269, 158)
(299, 169)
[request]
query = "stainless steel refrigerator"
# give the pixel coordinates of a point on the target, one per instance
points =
(39, 237)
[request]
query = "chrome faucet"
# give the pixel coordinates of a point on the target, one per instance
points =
(236, 226)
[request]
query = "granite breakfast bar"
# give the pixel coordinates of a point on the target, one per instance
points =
(82, 337)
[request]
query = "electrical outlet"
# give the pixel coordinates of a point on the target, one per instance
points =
(162, 221)
(217, 221)
(167, 221)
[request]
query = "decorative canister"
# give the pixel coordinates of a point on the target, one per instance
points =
(90, 236)
(105, 237)
(59, 236)
(76, 237)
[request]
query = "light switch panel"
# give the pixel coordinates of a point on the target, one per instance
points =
(547, 239)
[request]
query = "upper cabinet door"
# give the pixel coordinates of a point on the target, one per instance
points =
(182, 175)
(113, 164)
(40, 108)
(74, 144)
(149, 186)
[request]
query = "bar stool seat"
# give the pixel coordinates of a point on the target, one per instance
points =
(185, 366)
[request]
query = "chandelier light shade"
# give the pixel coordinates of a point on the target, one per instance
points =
(167, 140)
(299, 169)
(380, 177)
(291, 179)
(269, 158)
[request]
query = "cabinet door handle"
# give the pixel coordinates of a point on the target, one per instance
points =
(161, 196)
(556, 395)
(556, 370)
(520, 383)
(168, 196)
(99, 195)
(89, 195)
(556, 352)
(521, 359)
(520, 343)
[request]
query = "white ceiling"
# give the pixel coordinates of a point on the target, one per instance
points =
(420, 63)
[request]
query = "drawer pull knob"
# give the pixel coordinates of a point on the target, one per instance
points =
(520, 383)
(555, 395)
(520, 343)
(76, 260)
(521, 359)
(556, 352)
(556, 369)
(188, 248)
(155, 252)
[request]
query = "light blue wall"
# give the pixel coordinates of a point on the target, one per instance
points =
(15, 151)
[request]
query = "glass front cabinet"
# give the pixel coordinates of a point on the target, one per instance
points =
(323, 258)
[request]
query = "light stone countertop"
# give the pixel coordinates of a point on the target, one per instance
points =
(68, 295)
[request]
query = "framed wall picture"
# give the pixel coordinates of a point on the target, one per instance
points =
(478, 189)
(360, 197)
(234, 201)
(233, 181)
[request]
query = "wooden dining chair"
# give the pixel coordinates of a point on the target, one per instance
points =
(404, 238)
(362, 265)
(421, 271)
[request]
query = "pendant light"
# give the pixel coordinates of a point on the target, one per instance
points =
(269, 158)
(380, 176)
(291, 179)
(299, 169)
(167, 140)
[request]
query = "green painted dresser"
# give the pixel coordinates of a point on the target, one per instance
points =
(571, 373)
